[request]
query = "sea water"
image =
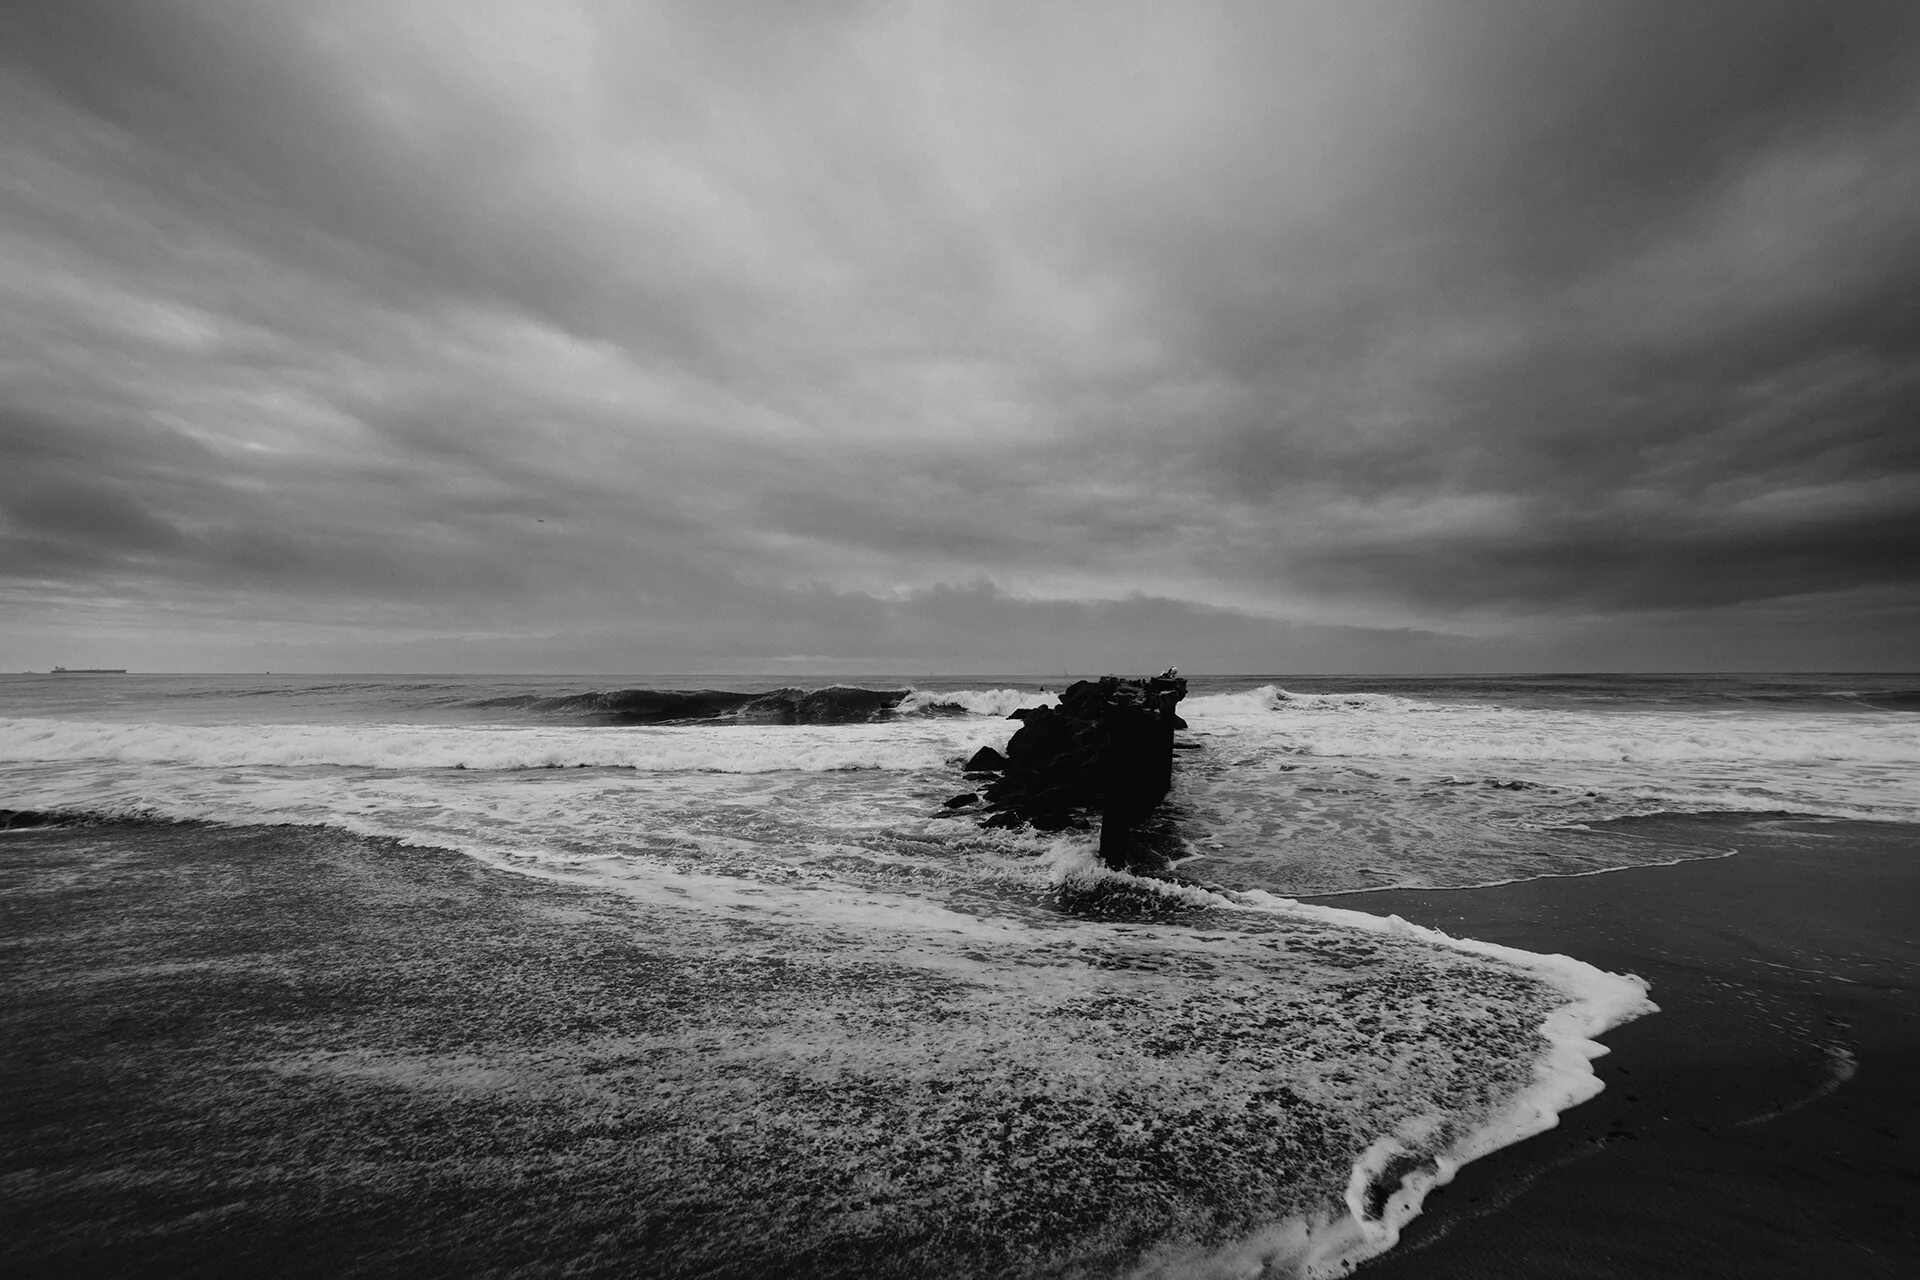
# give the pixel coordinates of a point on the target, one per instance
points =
(1190, 1076)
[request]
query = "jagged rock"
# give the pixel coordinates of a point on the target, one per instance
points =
(962, 801)
(986, 760)
(1107, 748)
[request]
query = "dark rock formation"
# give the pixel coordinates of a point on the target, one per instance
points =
(986, 760)
(1107, 749)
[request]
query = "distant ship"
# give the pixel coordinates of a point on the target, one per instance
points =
(89, 671)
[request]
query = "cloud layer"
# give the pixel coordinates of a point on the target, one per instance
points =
(687, 336)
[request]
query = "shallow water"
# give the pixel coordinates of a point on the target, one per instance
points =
(803, 831)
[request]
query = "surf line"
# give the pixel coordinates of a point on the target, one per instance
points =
(1391, 1178)
(1544, 875)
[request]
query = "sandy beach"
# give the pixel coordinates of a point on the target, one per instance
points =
(1761, 1125)
(1766, 1122)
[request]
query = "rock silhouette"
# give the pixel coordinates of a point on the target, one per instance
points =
(1107, 749)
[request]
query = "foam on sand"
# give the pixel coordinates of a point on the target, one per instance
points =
(1563, 1077)
(1391, 1178)
(1212, 1085)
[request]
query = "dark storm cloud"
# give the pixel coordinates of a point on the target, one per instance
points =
(782, 328)
(90, 515)
(1664, 261)
(1655, 562)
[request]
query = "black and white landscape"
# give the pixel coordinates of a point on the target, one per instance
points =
(588, 577)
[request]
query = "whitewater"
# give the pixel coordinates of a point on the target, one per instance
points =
(1284, 1082)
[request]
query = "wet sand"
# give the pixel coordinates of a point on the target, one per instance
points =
(1766, 1123)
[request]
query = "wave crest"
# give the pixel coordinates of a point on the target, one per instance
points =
(998, 703)
(831, 704)
(1269, 698)
(834, 704)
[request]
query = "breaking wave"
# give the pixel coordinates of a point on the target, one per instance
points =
(998, 703)
(833, 704)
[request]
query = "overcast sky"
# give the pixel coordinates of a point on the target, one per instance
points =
(816, 336)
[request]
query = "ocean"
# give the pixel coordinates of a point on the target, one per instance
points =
(880, 1030)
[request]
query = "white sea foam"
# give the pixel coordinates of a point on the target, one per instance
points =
(723, 749)
(1399, 1168)
(1621, 737)
(1267, 698)
(1372, 771)
(1385, 727)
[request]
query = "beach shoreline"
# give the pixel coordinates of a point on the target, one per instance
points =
(241, 1049)
(1757, 1126)
(1763, 1123)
